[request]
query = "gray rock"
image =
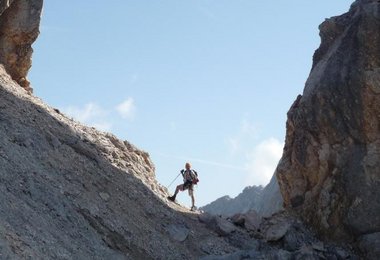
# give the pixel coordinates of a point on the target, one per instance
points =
(178, 232)
(104, 195)
(238, 219)
(205, 218)
(370, 245)
(269, 254)
(217, 223)
(252, 220)
(307, 253)
(329, 171)
(19, 24)
(222, 226)
(277, 231)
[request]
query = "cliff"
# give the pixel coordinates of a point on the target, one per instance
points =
(19, 28)
(330, 169)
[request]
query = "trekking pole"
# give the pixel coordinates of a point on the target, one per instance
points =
(173, 180)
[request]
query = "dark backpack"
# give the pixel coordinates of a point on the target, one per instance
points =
(195, 179)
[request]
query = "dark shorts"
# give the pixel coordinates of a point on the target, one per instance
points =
(188, 185)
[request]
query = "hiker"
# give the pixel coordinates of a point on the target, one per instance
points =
(190, 178)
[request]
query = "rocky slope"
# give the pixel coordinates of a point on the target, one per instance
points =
(265, 201)
(72, 192)
(330, 169)
(19, 28)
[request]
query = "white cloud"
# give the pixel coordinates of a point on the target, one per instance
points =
(246, 134)
(90, 114)
(127, 108)
(262, 161)
(259, 156)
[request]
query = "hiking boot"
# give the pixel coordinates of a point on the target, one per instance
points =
(193, 208)
(171, 198)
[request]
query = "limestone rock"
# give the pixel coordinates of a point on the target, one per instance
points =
(19, 28)
(238, 219)
(205, 218)
(330, 169)
(277, 232)
(222, 226)
(250, 220)
(218, 224)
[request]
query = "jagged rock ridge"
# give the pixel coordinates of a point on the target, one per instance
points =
(265, 201)
(19, 28)
(330, 169)
(242, 203)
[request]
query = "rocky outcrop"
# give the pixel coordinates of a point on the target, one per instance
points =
(330, 169)
(19, 28)
(264, 201)
(282, 236)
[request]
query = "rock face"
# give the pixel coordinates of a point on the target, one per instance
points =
(330, 169)
(19, 28)
(264, 201)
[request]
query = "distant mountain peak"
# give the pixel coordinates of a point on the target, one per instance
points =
(265, 200)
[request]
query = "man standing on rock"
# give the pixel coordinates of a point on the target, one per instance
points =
(190, 178)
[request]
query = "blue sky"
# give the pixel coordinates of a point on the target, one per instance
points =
(207, 81)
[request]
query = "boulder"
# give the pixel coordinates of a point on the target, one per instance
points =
(238, 219)
(205, 218)
(276, 232)
(252, 220)
(178, 232)
(222, 226)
